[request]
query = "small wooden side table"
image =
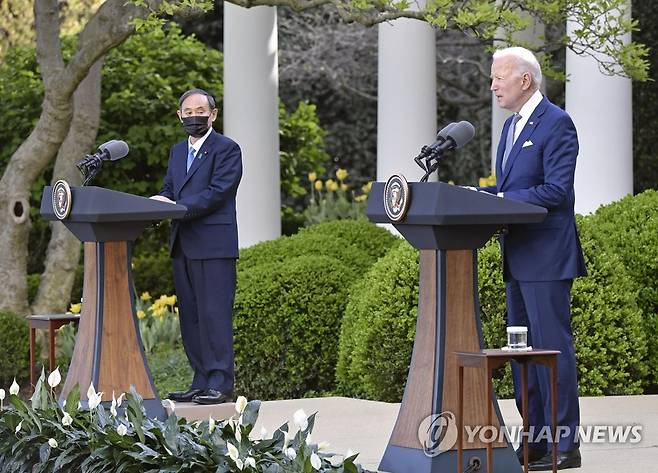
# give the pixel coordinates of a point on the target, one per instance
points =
(491, 360)
(49, 322)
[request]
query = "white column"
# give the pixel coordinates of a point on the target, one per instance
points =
(602, 110)
(406, 96)
(251, 117)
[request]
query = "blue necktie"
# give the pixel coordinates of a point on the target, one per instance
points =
(509, 142)
(190, 158)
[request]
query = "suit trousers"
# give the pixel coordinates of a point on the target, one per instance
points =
(544, 307)
(205, 291)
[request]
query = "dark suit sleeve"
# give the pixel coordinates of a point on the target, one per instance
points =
(226, 176)
(559, 160)
(167, 189)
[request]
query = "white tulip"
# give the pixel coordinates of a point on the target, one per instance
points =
(67, 419)
(211, 424)
(300, 419)
(232, 451)
(323, 446)
(19, 427)
(250, 461)
(167, 404)
(315, 461)
(239, 464)
(240, 404)
(290, 453)
(54, 378)
(53, 443)
(14, 388)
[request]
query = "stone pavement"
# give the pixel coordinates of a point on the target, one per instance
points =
(365, 426)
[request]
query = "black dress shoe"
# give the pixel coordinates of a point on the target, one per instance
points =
(212, 396)
(533, 454)
(565, 460)
(184, 396)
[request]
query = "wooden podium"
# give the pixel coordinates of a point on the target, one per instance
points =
(108, 349)
(447, 224)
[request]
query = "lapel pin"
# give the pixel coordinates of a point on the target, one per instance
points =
(532, 123)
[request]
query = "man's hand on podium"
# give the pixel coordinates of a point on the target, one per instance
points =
(162, 198)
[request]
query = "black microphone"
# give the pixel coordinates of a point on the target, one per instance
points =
(455, 137)
(112, 150)
(426, 151)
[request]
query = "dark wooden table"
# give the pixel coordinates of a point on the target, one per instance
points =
(49, 322)
(490, 360)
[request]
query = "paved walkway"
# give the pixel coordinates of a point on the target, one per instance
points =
(365, 426)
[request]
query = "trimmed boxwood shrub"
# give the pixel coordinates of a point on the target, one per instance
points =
(629, 229)
(378, 331)
(14, 348)
(287, 319)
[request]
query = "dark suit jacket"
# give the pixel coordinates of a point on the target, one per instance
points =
(209, 228)
(542, 173)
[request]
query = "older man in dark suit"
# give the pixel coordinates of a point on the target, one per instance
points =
(536, 163)
(203, 175)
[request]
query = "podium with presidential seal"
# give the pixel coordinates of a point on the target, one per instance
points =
(447, 224)
(108, 349)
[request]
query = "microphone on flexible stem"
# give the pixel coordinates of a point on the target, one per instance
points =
(109, 151)
(426, 150)
(456, 137)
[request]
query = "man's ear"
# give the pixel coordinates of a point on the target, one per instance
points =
(180, 117)
(213, 114)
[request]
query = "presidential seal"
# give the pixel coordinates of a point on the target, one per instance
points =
(396, 197)
(62, 201)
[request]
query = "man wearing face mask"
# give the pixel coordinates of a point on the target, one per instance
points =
(203, 175)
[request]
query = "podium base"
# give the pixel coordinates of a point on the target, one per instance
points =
(412, 460)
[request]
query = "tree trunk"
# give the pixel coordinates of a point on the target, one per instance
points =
(64, 248)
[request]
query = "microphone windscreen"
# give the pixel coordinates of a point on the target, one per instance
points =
(445, 130)
(114, 149)
(462, 133)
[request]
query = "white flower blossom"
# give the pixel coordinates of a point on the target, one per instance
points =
(113, 407)
(300, 419)
(315, 461)
(232, 451)
(122, 430)
(95, 401)
(323, 446)
(250, 461)
(91, 392)
(3, 394)
(168, 404)
(239, 464)
(290, 453)
(54, 378)
(53, 443)
(14, 388)
(211, 424)
(240, 404)
(19, 427)
(123, 395)
(67, 419)
(309, 441)
(238, 434)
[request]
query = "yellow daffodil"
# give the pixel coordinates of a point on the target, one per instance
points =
(141, 314)
(75, 308)
(366, 187)
(159, 312)
(341, 174)
(361, 198)
(332, 186)
(318, 185)
(488, 181)
(344, 187)
(145, 296)
(312, 177)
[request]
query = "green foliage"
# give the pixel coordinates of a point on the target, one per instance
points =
(627, 230)
(152, 272)
(14, 348)
(170, 369)
(610, 339)
(287, 318)
(36, 437)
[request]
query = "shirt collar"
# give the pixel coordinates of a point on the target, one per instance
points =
(199, 143)
(530, 105)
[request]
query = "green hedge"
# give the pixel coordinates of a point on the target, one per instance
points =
(628, 229)
(378, 330)
(14, 348)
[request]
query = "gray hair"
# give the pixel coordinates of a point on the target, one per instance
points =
(526, 62)
(211, 99)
